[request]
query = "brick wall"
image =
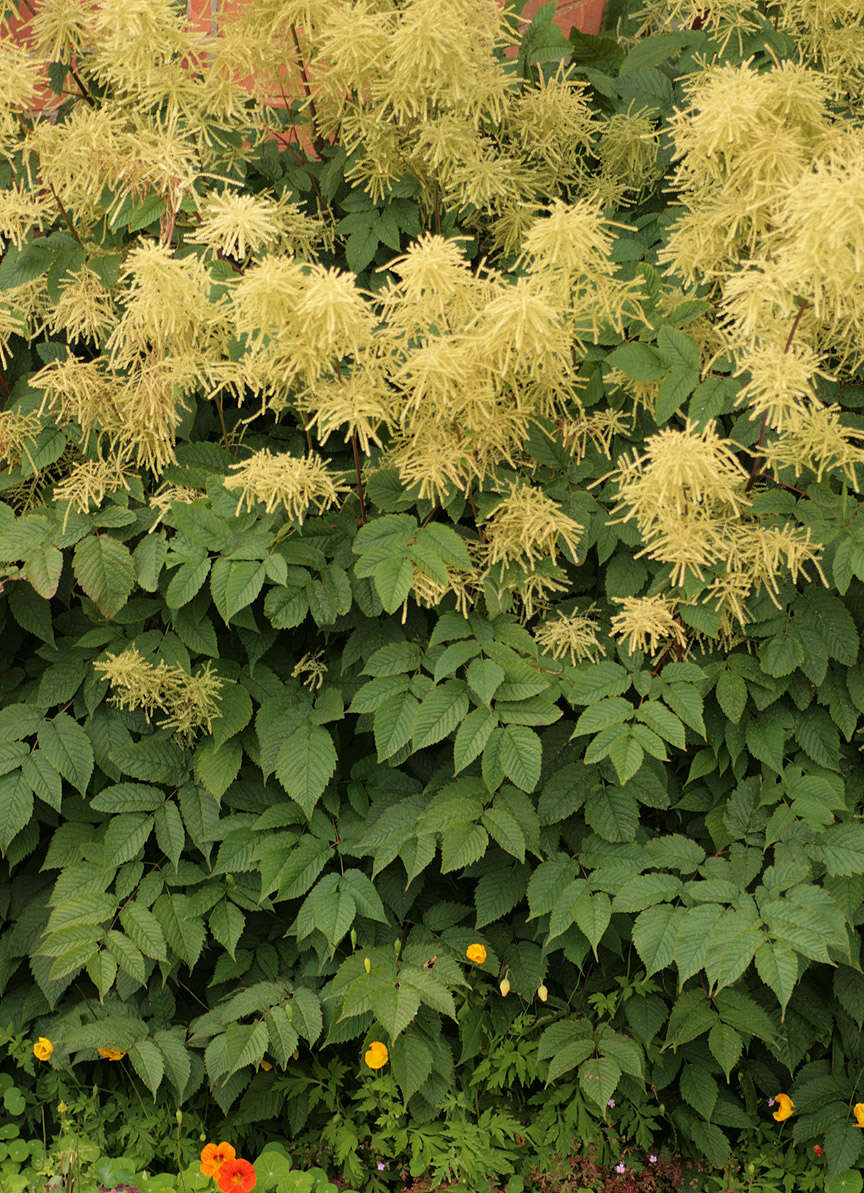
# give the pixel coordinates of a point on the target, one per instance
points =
(586, 15)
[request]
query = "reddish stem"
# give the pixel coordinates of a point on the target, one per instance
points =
(757, 459)
(359, 479)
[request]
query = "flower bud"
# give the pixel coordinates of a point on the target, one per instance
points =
(542, 993)
(504, 987)
(202, 1137)
(367, 964)
(353, 938)
(178, 1114)
(295, 1055)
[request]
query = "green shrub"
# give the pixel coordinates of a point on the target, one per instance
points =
(430, 519)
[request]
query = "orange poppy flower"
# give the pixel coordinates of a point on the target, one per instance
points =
(858, 1111)
(376, 1055)
(214, 1155)
(111, 1053)
(476, 953)
(236, 1176)
(787, 1107)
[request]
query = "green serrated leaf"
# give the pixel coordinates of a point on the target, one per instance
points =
(305, 764)
(104, 569)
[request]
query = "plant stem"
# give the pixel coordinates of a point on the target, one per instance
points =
(757, 459)
(359, 479)
(317, 140)
(469, 494)
(167, 231)
(85, 94)
(763, 476)
(65, 214)
(658, 667)
(222, 420)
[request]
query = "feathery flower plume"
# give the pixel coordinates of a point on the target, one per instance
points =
(526, 525)
(190, 701)
(572, 634)
(282, 479)
(648, 623)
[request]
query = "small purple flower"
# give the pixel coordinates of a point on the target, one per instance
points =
(611, 1103)
(381, 1166)
(770, 1103)
(652, 1159)
(621, 1168)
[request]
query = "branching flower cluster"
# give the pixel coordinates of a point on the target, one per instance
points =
(190, 702)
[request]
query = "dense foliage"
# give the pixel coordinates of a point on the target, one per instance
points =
(430, 519)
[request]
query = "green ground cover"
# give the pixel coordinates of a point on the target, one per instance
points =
(430, 688)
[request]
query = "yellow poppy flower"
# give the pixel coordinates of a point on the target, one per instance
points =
(858, 1111)
(476, 953)
(43, 1048)
(110, 1053)
(786, 1105)
(376, 1055)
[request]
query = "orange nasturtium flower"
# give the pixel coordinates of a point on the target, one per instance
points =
(858, 1111)
(376, 1055)
(236, 1176)
(110, 1053)
(214, 1155)
(476, 953)
(43, 1048)
(786, 1105)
